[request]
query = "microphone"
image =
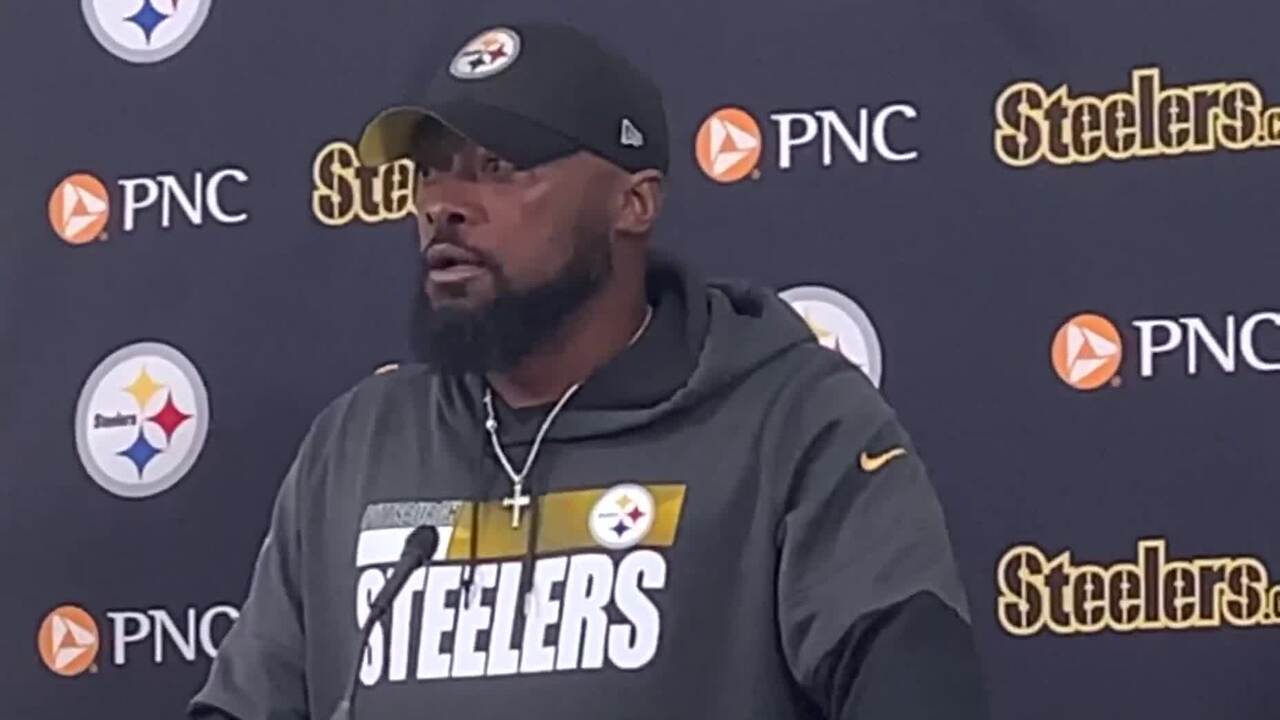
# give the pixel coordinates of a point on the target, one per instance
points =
(418, 550)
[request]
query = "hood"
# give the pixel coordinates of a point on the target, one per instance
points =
(705, 335)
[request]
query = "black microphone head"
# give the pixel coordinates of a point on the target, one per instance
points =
(418, 550)
(422, 543)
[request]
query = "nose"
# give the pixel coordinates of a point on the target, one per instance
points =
(444, 214)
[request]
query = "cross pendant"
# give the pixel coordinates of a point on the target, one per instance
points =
(517, 502)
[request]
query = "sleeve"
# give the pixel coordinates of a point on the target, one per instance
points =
(207, 713)
(258, 671)
(873, 618)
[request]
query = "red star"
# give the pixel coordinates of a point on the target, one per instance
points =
(170, 418)
(635, 514)
(498, 52)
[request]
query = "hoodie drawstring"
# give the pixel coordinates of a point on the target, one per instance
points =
(469, 568)
(526, 567)
(531, 551)
(518, 478)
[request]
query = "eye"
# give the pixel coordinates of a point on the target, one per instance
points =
(494, 166)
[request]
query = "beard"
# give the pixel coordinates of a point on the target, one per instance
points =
(495, 337)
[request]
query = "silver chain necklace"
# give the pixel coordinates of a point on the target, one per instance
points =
(518, 501)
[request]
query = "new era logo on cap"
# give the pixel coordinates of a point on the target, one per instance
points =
(631, 135)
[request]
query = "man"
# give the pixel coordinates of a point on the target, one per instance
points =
(656, 497)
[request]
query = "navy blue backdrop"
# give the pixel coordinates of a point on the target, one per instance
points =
(1048, 229)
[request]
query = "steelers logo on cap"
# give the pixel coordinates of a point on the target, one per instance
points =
(487, 53)
(622, 517)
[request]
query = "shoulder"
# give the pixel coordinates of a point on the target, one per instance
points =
(819, 386)
(823, 405)
(392, 383)
(389, 391)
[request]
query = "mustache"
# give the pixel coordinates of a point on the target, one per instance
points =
(447, 234)
(482, 257)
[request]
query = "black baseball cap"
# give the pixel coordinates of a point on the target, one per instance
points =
(534, 92)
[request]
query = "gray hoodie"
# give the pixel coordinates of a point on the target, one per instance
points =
(730, 523)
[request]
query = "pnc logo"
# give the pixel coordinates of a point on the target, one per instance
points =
(1087, 351)
(80, 205)
(68, 641)
(79, 209)
(728, 145)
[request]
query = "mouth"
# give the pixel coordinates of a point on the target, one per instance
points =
(452, 264)
(454, 273)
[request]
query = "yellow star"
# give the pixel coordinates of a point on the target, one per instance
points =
(623, 502)
(143, 388)
(825, 336)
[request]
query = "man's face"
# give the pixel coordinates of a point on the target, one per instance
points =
(507, 254)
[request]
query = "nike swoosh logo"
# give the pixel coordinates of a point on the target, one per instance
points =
(871, 463)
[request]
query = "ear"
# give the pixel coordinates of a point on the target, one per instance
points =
(641, 203)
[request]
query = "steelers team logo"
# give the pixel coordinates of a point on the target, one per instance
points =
(146, 31)
(622, 517)
(839, 324)
(487, 53)
(141, 420)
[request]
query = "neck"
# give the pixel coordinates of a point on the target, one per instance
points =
(589, 338)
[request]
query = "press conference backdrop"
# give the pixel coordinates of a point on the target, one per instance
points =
(1047, 230)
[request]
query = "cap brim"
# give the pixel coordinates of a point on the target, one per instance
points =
(389, 135)
(525, 143)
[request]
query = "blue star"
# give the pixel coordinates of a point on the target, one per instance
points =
(620, 528)
(140, 452)
(148, 18)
